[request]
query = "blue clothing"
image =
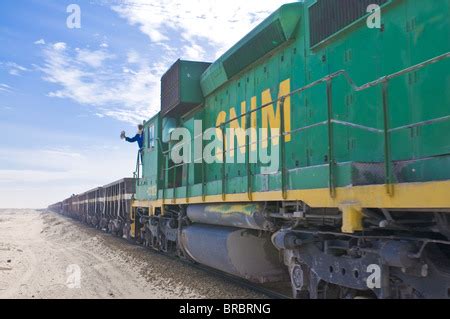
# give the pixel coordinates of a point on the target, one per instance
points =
(139, 138)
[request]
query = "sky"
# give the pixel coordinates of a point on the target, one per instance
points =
(67, 93)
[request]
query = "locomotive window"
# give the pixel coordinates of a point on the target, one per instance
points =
(151, 137)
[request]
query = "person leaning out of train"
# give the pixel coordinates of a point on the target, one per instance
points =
(139, 137)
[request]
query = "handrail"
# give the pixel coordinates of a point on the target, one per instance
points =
(331, 161)
(137, 173)
(349, 80)
(328, 80)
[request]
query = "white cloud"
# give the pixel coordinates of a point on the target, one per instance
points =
(60, 46)
(129, 89)
(104, 45)
(40, 42)
(219, 23)
(127, 70)
(133, 57)
(119, 90)
(194, 52)
(93, 58)
(5, 88)
(17, 66)
(13, 68)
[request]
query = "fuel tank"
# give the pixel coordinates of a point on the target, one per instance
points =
(239, 252)
(250, 216)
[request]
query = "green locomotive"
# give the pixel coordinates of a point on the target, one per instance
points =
(354, 119)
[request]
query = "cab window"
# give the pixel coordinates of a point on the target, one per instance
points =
(151, 137)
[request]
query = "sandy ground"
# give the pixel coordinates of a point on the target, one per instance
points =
(43, 255)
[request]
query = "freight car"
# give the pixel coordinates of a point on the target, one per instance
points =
(327, 161)
(56, 208)
(107, 208)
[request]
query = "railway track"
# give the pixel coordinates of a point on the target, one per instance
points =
(282, 292)
(271, 294)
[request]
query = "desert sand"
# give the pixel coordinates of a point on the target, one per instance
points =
(47, 256)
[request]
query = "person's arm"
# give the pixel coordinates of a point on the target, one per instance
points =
(132, 140)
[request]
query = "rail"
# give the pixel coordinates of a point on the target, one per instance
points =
(384, 81)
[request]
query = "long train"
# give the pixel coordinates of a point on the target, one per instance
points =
(107, 208)
(355, 118)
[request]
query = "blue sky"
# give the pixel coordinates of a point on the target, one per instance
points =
(65, 94)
